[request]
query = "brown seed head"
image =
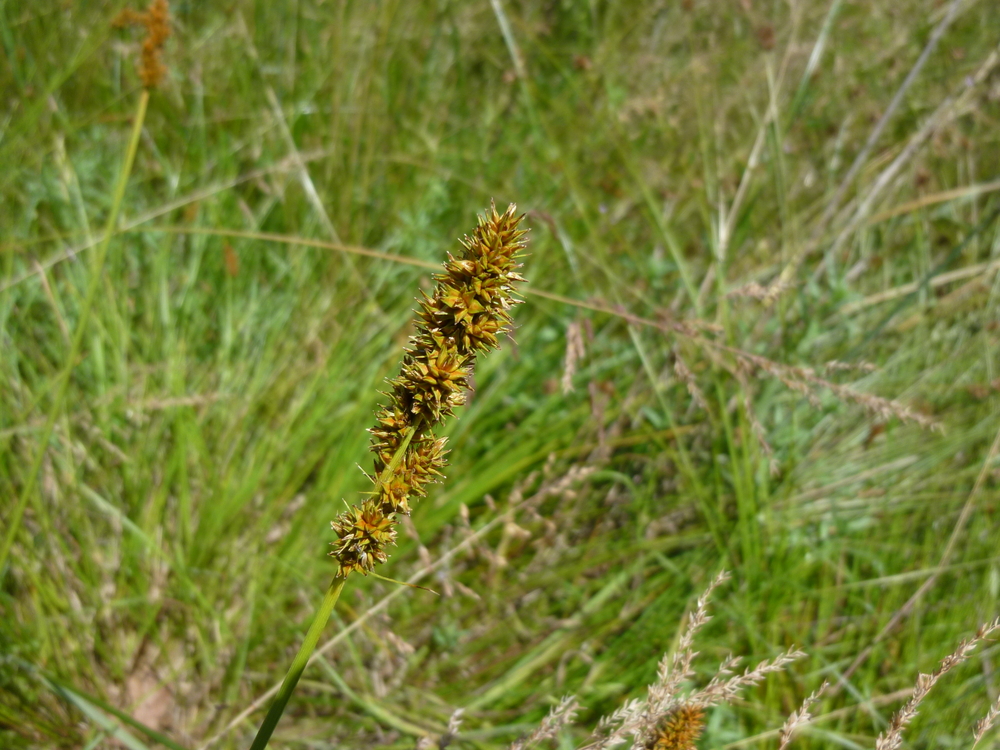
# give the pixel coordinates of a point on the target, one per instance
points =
(680, 730)
(464, 316)
(156, 20)
(363, 534)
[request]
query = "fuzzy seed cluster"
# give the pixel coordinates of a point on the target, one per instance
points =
(469, 309)
(156, 20)
(679, 730)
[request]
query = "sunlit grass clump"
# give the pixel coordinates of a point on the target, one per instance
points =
(755, 267)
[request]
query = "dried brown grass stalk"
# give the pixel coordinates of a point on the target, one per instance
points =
(799, 718)
(806, 381)
(560, 716)
(986, 723)
(449, 736)
(802, 380)
(755, 426)
(755, 291)
(669, 718)
(575, 351)
(836, 366)
(892, 738)
(685, 375)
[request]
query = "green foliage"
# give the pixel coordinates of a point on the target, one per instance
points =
(174, 549)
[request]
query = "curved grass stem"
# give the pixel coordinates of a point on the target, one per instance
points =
(298, 664)
(301, 660)
(62, 385)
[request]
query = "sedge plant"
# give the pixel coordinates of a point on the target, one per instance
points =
(465, 316)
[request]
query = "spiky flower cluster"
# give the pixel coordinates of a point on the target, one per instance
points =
(679, 730)
(469, 309)
(156, 20)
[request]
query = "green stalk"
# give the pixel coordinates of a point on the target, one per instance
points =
(298, 664)
(301, 659)
(62, 385)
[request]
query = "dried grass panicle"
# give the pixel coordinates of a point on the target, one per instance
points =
(892, 738)
(835, 365)
(467, 312)
(804, 380)
(721, 690)
(799, 718)
(760, 435)
(449, 736)
(156, 21)
(774, 468)
(751, 290)
(685, 375)
(672, 719)
(667, 717)
(560, 716)
(575, 351)
(986, 723)
(673, 671)
(455, 721)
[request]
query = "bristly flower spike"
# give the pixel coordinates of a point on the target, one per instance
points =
(156, 20)
(680, 730)
(466, 314)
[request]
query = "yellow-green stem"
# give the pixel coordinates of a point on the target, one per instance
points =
(298, 664)
(301, 660)
(62, 384)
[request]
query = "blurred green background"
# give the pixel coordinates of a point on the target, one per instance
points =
(676, 160)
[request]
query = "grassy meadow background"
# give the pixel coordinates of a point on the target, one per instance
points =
(674, 159)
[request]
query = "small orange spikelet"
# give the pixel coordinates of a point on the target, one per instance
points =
(156, 19)
(680, 730)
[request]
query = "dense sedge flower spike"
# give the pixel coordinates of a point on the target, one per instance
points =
(156, 20)
(466, 314)
(680, 730)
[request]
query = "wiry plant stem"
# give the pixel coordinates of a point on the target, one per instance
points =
(301, 660)
(298, 664)
(62, 384)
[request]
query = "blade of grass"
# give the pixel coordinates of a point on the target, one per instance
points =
(93, 284)
(89, 703)
(377, 711)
